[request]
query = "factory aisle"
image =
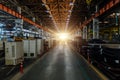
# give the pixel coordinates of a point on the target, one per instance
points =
(61, 63)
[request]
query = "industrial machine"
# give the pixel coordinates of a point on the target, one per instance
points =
(2, 53)
(30, 48)
(39, 46)
(13, 53)
(33, 47)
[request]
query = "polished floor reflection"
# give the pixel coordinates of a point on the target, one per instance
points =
(61, 63)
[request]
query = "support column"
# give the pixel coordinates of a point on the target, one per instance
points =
(95, 28)
(40, 33)
(19, 10)
(79, 32)
(19, 24)
(89, 31)
(33, 19)
(86, 36)
(85, 32)
(96, 8)
(119, 29)
(117, 22)
(116, 19)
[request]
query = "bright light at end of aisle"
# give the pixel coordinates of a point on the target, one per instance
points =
(63, 36)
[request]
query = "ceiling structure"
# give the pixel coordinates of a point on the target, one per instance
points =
(54, 14)
(57, 15)
(60, 11)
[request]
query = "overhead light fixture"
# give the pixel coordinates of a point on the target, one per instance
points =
(106, 22)
(68, 16)
(47, 11)
(67, 22)
(43, 4)
(50, 15)
(118, 14)
(68, 19)
(63, 36)
(71, 3)
(70, 11)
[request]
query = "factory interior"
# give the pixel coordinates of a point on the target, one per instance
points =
(59, 39)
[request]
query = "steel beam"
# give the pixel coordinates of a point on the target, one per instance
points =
(107, 7)
(16, 14)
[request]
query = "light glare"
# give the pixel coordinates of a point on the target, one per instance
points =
(63, 36)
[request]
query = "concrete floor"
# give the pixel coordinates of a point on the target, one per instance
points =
(61, 63)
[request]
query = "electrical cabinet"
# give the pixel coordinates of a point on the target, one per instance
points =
(33, 46)
(13, 53)
(45, 41)
(42, 45)
(26, 48)
(49, 43)
(30, 48)
(39, 46)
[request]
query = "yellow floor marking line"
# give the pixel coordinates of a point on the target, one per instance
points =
(102, 76)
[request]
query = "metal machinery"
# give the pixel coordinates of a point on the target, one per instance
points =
(13, 53)
(45, 44)
(32, 48)
(35, 45)
(39, 46)
(2, 53)
(49, 43)
(106, 57)
(1, 49)
(78, 42)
